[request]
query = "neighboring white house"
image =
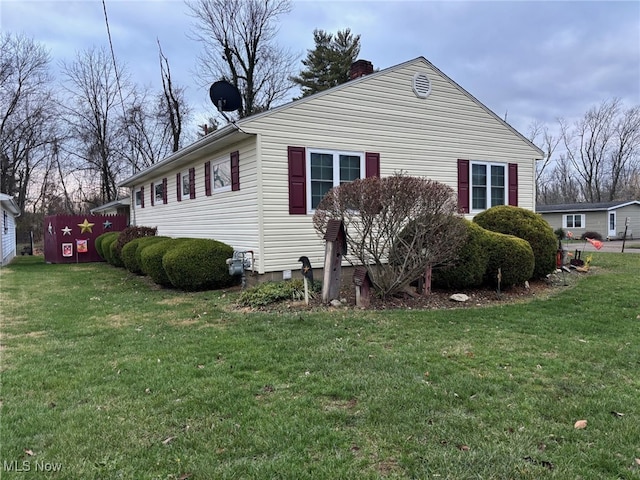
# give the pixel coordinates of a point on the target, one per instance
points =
(121, 206)
(10, 211)
(609, 219)
(254, 184)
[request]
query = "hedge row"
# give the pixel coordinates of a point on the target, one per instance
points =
(184, 263)
(487, 258)
(527, 225)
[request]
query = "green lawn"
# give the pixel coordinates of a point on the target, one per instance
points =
(107, 377)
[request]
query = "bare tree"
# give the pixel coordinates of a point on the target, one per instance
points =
(94, 114)
(395, 226)
(26, 112)
(238, 37)
(540, 135)
(586, 144)
(624, 155)
(560, 184)
(172, 107)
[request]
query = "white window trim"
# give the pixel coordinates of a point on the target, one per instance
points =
(226, 188)
(336, 168)
(505, 166)
(138, 198)
(583, 220)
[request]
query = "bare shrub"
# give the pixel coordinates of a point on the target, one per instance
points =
(395, 226)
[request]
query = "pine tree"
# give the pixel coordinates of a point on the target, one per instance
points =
(328, 64)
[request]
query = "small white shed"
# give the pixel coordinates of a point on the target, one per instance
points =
(10, 211)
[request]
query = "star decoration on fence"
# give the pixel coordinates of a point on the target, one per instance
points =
(107, 224)
(66, 230)
(86, 226)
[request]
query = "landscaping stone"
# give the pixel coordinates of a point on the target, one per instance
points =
(459, 297)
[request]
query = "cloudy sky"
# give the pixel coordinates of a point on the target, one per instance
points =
(536, 60)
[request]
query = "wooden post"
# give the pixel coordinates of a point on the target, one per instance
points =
(335, 248)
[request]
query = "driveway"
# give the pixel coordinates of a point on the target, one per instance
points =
(630, 246)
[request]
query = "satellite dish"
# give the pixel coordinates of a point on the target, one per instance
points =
(225, 96)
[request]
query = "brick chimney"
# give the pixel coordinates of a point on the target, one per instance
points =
(360, 68)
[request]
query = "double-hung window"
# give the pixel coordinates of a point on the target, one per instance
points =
(139, 194)
(573, 221)
(221, 175)
(488, 185)
(328, 169)
(159, 192)
(186, 187)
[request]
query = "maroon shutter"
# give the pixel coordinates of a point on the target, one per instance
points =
(463, 186)
(152, 195)
(235, 171)
(372, 164)
(142, 197)
(178, 187)
(207, 178)
(513, 184)
(192, 183)
(297, 181)
(164, 190)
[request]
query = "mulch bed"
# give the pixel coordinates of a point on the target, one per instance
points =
(440, 299)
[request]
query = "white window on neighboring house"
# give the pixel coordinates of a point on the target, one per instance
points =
(329, 169)
(221, 175)
(573, 221)
(488, 185)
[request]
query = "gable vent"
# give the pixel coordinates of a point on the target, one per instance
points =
(421, 85)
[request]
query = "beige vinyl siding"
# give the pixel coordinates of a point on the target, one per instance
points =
(228, 216)
(633, 212)
(423, 137)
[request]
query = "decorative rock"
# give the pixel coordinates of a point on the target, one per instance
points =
(459, 297)
(335, 303)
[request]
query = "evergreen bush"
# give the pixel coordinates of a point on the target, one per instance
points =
(527, 225)
(469, 267)
(115, 257)
(131, 252)
(151, 259)
(106, 243)
(512, 255)
(199, 264)
(100, 239)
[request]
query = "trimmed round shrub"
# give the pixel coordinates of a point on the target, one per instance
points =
(199, 264)
(470, 265)
(114, 254)
(131, 252)
(100, 239)
(512, 255)
(527, 225)
(106, 247)
(151, 259)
